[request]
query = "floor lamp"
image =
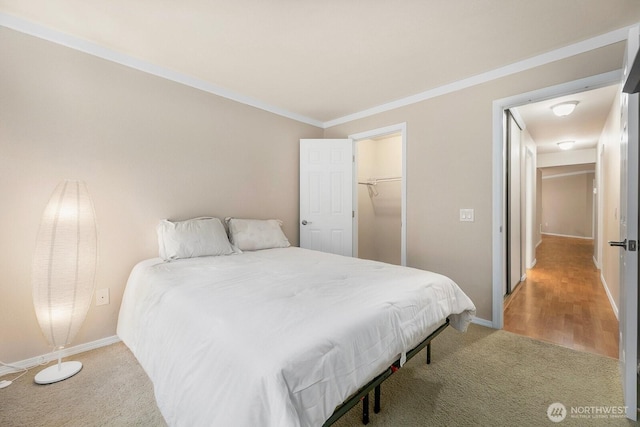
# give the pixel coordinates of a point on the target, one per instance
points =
(63, 273)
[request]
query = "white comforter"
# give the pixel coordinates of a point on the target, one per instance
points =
(277, 337)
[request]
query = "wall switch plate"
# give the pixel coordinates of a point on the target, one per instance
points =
(102, 296)
(466, 215)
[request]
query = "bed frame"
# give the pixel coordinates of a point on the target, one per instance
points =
(375, 384)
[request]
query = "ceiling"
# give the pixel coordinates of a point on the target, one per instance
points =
(584, 125)
(325, 60)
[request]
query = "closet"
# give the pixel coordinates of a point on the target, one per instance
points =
(379, 198)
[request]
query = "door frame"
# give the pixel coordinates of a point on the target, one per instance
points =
(400, 128)
(530, 196)
(499, 242)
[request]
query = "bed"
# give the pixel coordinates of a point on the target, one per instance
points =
(279, 336)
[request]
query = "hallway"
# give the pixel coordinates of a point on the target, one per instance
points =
(562, 301)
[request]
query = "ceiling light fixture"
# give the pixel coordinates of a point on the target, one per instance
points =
(566, 145)
(564, 109)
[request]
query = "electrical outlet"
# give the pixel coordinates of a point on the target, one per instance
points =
(102, 296)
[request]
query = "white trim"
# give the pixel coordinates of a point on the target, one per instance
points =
(595, 262)
(530, 203)
(26, 27)
(628, 288)
(482, 322)
(355, 202)
(379, 132)
(94, 49)
(560, 175)
(611, 300)
(374, 133)
(499, 105)
(568, 235)
(66, 352)
(517, 67)
(498, 218)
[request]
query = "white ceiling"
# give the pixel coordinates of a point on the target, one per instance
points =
(329, 59)
(584, 125)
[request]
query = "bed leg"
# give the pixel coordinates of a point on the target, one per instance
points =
(428, 353)
(376, 399)
(365, 409)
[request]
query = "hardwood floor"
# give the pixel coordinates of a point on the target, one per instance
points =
(563, 300)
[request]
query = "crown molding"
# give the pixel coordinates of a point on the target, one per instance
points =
(26, 27)
(517, 67)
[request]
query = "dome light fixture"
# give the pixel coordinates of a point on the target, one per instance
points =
(566, 145)
(564, 109)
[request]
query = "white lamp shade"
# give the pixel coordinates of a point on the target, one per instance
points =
(64, 264)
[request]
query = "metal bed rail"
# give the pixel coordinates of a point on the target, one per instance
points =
(374, 384)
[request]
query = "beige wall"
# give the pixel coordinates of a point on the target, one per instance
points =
(449, 166)
(379, 216)
(567, 204)
(147, 148)
(609, 146)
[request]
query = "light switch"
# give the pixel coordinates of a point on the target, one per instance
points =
(466, 215)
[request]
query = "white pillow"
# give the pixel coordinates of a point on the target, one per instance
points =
(192, 238)
(255, 234)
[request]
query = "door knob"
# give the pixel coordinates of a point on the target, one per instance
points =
(305, 222)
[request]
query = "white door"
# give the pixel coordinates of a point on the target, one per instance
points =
(629, 234)
(326, 188)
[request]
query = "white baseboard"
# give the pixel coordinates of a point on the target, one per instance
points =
(611, 301)
(482, 322)
(66, 352)
(568, 235)
(103, 342)
(595, 262)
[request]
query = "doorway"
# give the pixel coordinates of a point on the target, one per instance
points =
(500, 242)
(562, 299)
(379, 198)
(379, 194)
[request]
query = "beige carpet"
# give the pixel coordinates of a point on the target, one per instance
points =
(484, 378)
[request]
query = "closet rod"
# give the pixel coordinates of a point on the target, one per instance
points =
(374, 181)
